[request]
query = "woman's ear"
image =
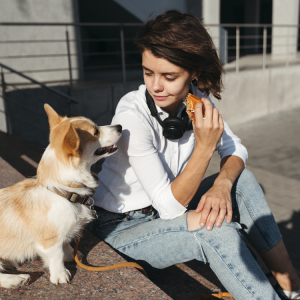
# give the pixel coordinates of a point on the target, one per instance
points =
(53, 117)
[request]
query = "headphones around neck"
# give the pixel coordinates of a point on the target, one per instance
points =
(173, 127)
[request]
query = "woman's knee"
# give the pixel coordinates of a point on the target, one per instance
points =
(248, 176)
(193, 220)
(247, 183)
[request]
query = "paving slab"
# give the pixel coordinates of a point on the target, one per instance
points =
(273, 143)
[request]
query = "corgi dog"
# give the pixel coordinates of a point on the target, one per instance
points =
(40, 216)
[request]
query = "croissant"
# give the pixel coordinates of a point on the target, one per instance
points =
(190, 103)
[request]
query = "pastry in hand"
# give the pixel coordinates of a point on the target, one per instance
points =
(190, 103)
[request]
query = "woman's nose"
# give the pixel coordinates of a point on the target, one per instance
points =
(157, 86)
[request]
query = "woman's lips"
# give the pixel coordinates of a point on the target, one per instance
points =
(160, 98)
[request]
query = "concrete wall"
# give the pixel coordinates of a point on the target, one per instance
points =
(211, 15)
(285, 39)
(253, 94)
(37, 11)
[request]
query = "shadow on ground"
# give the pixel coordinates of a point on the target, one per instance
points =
(186, 281)
(22, 156)
(290, 231)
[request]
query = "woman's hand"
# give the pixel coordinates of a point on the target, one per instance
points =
(216, 204)
(208, 130)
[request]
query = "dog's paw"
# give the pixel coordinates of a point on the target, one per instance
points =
(14, 281)
(25, 279)
(62, 277)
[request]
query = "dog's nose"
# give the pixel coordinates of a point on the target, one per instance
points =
(119, 128)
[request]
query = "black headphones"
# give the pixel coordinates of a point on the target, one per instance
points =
(173, 127)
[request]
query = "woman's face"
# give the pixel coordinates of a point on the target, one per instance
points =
(166, 82)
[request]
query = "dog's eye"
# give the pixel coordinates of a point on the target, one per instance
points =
(96, 131)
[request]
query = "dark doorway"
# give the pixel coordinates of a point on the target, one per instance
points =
(246, 12)
(101, 46)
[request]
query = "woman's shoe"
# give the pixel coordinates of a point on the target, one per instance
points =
(283, 294)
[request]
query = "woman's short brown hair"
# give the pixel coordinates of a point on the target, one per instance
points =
(182, 40)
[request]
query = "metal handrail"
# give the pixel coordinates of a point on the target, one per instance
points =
(68, 24)
(63, 41)
(69, 99)
(137, 24)
(252, 25)
(239, 37)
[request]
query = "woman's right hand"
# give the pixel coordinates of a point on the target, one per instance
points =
(208, 130)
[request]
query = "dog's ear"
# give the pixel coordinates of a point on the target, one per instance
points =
(71, 145)
(53, 117)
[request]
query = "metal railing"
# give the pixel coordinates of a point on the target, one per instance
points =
(5, 95)
(286, 43)
(68, 41)
(264, 46)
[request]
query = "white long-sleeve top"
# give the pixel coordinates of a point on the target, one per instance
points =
(141, 172)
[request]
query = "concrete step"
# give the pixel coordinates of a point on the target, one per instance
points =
(125, 283)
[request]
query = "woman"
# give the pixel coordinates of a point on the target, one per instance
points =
(151, 200)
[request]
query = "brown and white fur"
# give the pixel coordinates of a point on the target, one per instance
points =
(36, 221)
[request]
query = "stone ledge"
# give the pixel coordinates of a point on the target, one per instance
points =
(124, 283)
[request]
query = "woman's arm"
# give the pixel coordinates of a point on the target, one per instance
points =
(231, 167)
(216, 203)
(207, 132)
(186, 184)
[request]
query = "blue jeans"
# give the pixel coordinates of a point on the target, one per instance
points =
(162, 243)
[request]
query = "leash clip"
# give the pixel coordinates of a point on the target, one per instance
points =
(91, 207)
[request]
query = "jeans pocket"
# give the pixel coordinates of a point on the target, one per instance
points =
(109, 225)
(106, 222)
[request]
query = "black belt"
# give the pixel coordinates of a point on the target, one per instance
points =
(142, 210)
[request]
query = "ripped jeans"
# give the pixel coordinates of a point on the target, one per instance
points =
(162, 243)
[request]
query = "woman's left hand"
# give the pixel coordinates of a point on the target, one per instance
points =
(216, 204)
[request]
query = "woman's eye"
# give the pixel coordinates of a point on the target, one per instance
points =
(170, 79)
(96, 132)
(147, 74)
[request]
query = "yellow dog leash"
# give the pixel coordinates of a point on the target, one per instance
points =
(100, 269)
(220, 295)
